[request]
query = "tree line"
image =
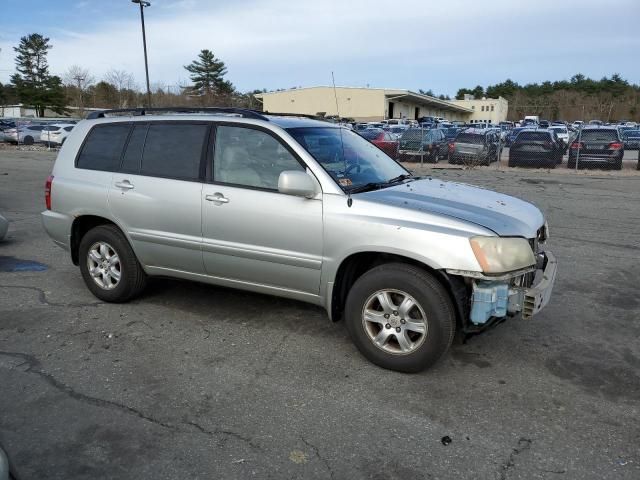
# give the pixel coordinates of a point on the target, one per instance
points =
(32, 85)
(610, 98)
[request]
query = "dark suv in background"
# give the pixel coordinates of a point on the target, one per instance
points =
(536, 148)
(597, 146)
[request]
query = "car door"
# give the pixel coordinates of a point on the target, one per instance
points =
(253, 234)
(155, 195)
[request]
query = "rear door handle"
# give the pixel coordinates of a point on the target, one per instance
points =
(125, 184)
(217, 198)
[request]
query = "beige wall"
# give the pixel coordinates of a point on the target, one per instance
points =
(492, 110)
(359, 103)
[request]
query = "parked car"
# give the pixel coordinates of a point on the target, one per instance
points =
(597, 146)
(544, 124)
(596, 122)
(476, 146)
(55, 134)
(405, 261)
(631, 139)
(563, 134)
(25, 134)
(536, 148)
(451, 133)
(417, 144)
(385, 141)
(397, 130)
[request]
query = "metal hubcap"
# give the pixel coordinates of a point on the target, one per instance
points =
(104, 266)
(394, 321)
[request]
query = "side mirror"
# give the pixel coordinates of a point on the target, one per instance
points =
(294, 182)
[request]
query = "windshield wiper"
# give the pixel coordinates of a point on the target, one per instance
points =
(377, 185)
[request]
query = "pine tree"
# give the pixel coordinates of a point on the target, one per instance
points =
(207, 75)
(33, 84)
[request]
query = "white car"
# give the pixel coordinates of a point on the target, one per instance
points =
(26, 134)
(55, 135)
(562, 133)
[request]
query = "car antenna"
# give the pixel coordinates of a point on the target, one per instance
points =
(344, 160)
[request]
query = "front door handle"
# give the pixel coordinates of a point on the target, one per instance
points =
(217, 198)
(125, 184)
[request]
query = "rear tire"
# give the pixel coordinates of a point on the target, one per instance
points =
(400, 346)
(107, 280)
(28, 140)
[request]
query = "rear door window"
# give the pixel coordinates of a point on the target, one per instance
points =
(103, 147)
(174, 150)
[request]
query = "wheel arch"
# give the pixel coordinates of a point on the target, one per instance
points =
(356, 264)
(81, 225)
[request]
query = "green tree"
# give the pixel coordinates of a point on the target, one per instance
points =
(33, 84)
(207, 75)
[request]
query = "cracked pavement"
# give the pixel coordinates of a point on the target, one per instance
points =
(194, 381)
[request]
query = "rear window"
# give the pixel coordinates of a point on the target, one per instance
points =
(103, 147)
(632, 133)
(473, 138)
(174, 150)
(559, 129)
(600, 135)
(528, 136)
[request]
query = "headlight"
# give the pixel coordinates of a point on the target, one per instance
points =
(499, 255)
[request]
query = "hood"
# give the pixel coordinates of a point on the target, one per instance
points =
(504, 215)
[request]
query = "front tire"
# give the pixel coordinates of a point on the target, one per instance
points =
(108, 265)
(400, 317)
(28, 140)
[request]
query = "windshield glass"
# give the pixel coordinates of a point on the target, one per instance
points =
(348, 158)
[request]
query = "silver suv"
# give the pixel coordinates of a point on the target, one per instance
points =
(297, 208)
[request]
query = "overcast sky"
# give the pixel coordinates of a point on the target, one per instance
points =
(438, 45)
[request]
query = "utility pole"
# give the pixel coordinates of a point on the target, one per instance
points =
(143, 4)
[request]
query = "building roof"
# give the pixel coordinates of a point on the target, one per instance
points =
(390, 93)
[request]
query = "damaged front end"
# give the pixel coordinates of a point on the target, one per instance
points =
(491, 299)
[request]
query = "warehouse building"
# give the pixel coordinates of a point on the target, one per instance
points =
(375, 104)
(361, 104)
(485, 110)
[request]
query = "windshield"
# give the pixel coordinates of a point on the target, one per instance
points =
(348, 158)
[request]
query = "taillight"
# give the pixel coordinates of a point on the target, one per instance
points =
(452, 147)
(47, 191)
(577, 145)
(616, 146)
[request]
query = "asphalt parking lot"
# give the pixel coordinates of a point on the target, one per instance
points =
(194, 381)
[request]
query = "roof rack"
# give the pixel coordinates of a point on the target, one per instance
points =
(243, 112)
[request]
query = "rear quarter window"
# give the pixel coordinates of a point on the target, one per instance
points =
(103, 147)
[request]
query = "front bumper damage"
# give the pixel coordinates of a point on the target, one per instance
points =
(526, 292)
